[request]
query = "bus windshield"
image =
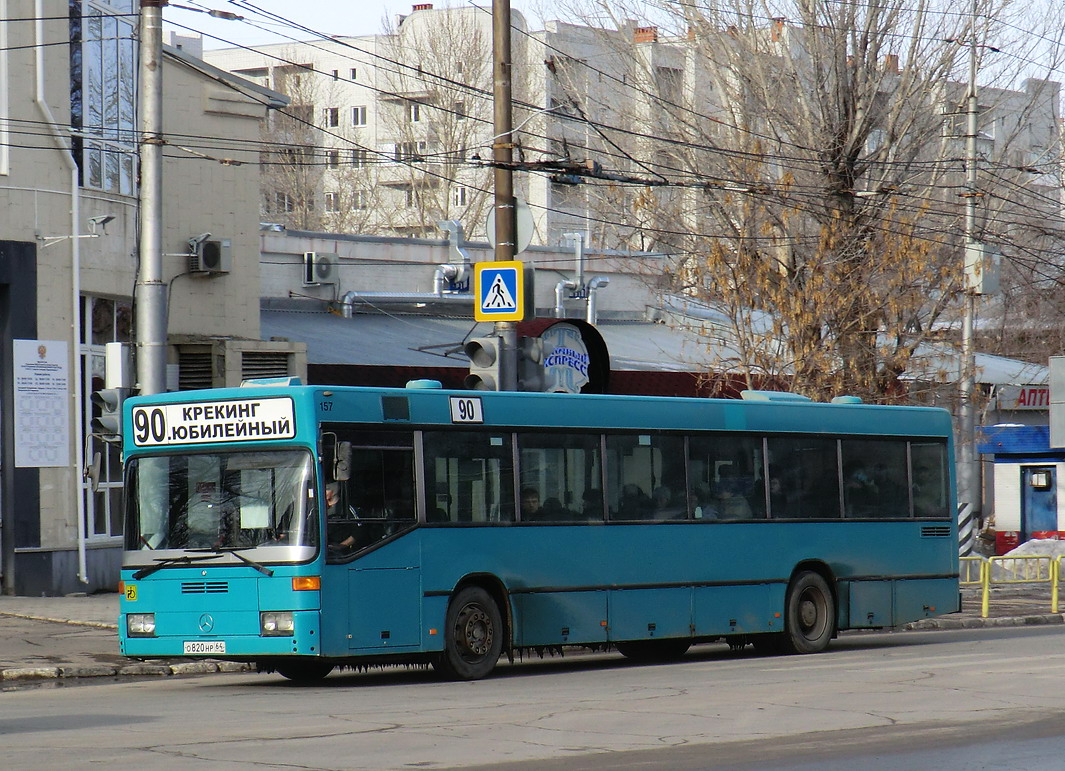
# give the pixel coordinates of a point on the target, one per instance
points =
(257, 501)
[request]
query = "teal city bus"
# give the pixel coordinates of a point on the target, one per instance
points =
(304, 528)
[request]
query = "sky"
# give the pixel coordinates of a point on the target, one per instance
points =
(331, 17)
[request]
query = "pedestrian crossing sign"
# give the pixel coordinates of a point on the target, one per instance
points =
(499, 288)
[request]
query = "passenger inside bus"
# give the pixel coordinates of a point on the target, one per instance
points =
(634, 503)
(530, 504)
(728, 496)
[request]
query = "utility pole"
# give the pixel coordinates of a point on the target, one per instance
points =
(149, 294)
(503, 155)
(967, 466)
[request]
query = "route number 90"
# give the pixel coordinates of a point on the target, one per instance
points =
(466, 409)
(149, 425)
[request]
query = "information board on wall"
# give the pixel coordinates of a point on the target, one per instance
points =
(42, 403)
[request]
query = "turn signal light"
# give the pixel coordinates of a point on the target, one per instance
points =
(306, 583)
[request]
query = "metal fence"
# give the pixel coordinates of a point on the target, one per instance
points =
(1031, 570)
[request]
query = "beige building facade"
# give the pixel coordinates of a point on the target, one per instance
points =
(69, 262)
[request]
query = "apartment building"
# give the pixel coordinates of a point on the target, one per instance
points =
(385, 131)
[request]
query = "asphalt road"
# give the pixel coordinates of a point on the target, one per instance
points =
(983, 698)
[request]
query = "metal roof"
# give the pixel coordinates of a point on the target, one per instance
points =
(432, 341)
(393, 339)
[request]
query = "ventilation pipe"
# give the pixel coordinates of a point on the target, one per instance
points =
(597, 283)
(349, 300)
(560, 297)
(459, 269)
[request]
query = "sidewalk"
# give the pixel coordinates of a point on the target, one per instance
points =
(66, 637)
(44, 638)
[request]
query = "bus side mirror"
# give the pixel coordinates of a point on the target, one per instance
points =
(92, 472)
(342, 463)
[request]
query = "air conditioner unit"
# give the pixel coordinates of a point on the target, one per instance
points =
(319, 268)
(210, 257)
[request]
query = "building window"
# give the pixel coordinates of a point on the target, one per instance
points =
(332, 117)
(459, 109)
(354, 74)
(415, 111)
(336, 74)
(332, 159)
(103, 93)
(458, 196)
(332, 202)
(360, 199)
(360, 158)
(358, 116)
(409, 151)
(284, 203)
(102, 321)
(408, 197)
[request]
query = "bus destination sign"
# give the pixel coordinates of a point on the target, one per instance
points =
(239, 420)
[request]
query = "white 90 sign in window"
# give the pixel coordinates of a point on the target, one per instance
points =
(466, 409)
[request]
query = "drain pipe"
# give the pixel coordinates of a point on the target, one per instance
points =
(597, 283)
(75, 289)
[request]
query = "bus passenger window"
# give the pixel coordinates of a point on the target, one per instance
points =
(469, 477)
(727, 482)
(565, 472)
(645, 477)
(874, 473)
(929, 479)
(378, 500)
(804, 471)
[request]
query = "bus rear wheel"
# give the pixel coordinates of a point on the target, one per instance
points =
(304, 671)
(809, 614)
(473, 636)
(649, 651)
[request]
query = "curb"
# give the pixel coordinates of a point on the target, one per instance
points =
(66, 671)
(946, 622)
(67, 621)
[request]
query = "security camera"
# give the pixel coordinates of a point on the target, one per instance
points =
(197, 240)
(100, 222)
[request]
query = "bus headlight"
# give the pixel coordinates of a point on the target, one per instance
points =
(140, 624)
(276, 623)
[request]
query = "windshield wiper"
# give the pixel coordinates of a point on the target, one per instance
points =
(162, 563)
(235, 551)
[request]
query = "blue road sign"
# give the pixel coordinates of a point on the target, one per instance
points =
(500, 291)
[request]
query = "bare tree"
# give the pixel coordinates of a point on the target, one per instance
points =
(292, 165)
(804, 160)
(435, 113)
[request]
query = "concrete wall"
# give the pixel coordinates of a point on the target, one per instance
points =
(378, 264)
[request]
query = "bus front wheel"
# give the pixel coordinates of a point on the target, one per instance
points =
(473, 636)
(809, 614)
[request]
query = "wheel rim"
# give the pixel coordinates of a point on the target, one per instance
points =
(474, 632)
(812, 613)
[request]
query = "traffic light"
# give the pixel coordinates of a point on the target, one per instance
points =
(531, 364)
(485, 354)
(108, 401)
